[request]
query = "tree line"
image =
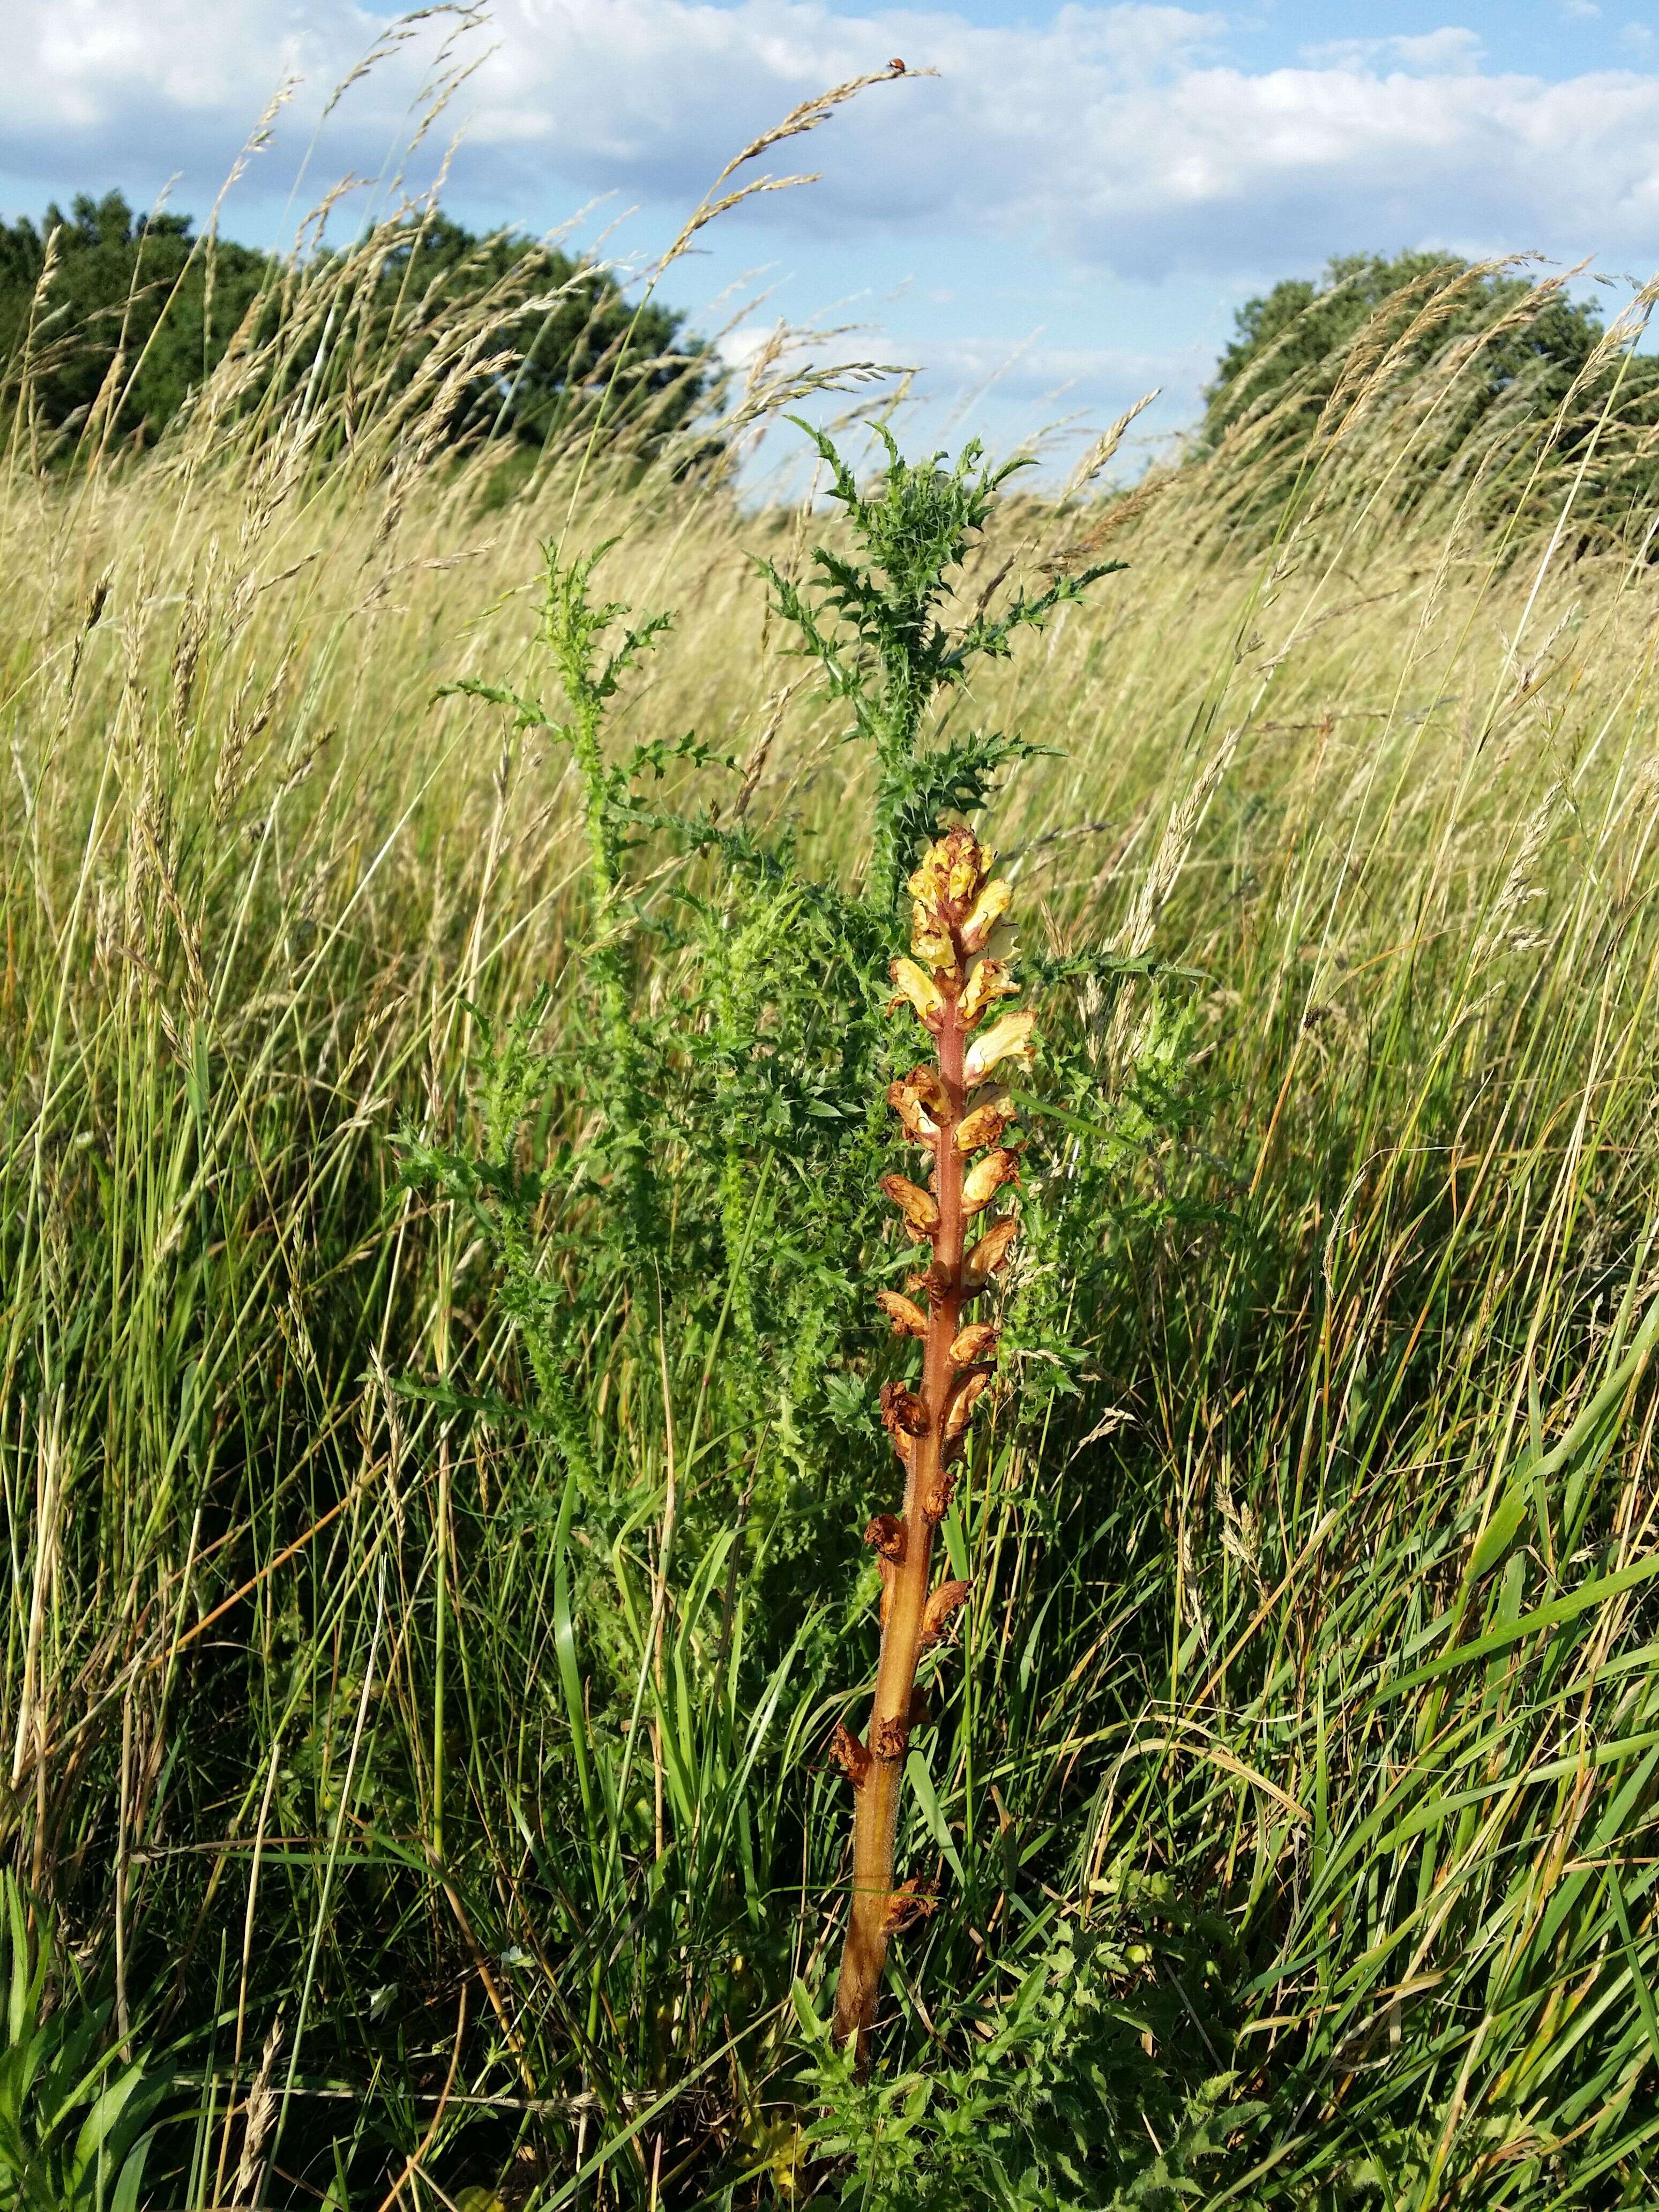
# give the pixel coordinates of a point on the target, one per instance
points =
(120, 318)
(1476, 354)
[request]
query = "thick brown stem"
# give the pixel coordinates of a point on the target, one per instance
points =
(876, 1804)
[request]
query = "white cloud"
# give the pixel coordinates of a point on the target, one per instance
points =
(1450, 49)
(1119, 137)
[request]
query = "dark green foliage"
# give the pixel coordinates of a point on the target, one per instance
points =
(1041, 2115)
(741, 1129)
(1297, 333)
(123, 289)
(1304, 353)
(77, 2116)
(137, 313)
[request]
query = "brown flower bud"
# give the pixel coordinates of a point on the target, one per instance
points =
(892, 1739)
(941, 1605)
(849, 1755)
(936, 1503)
(967, 863)
(910, 1903)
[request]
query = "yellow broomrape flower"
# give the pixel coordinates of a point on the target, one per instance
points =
(1009, 1038)
(987, 910)
(917, 987)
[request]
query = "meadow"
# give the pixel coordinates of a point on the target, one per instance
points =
(443, 1081)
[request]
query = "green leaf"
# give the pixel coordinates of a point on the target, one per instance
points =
(1585, 1599)
(1500, 1532)
(921, 1782)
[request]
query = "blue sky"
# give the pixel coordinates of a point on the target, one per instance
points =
(1068, 215)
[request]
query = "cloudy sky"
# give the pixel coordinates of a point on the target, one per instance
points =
(1069, 213)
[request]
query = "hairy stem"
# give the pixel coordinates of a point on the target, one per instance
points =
(950, 989)
(907, 1583)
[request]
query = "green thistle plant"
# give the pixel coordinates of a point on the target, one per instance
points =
(948, 1109)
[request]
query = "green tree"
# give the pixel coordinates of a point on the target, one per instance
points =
(120, 285)
(1528, 350)
(146, 299)
(1301, 332)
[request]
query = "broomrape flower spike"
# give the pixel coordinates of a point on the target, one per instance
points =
(955, 903)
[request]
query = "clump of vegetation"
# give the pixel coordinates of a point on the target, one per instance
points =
(77, 2112)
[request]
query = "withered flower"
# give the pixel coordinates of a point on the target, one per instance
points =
(986, 1178)
(986, 1124)
(908, 1318)
(902, 1411)
(992, 1250)
(976, 1342)
(913, 1204)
